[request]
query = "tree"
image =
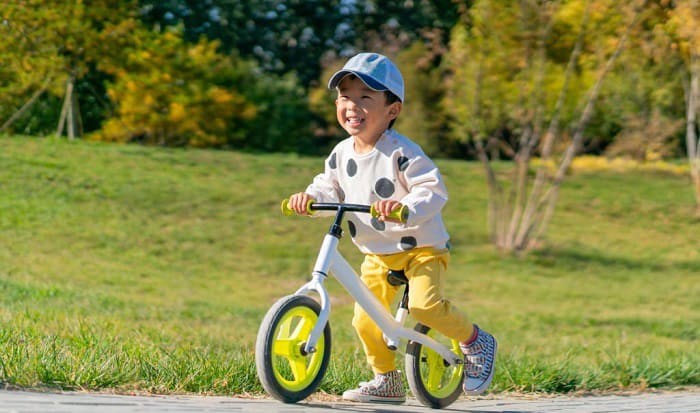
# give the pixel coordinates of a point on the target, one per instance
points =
(170, 92)
(29, 65)
(423, 117)
(513, 89)
(684, 22)
(302, 36)
(52, 45)
(643, 98)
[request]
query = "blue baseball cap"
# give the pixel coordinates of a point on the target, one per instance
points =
(375, 70)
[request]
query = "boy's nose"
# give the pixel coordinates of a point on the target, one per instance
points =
(352, 103)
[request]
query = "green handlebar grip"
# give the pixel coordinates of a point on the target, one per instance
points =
(286, 210)
(400, 214)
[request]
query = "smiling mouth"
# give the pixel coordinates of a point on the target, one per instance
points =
(354, 121)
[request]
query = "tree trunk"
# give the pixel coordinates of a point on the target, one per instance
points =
(70, 112)
(532, 214)
(552, 194)
(693, 145)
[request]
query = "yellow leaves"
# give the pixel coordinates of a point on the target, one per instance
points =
(27, 64)
(220, 96)
(171, 36)
(202, 51)
(571, 12)
(173, 94)
(588, 164)
(683, 21)
(177, 112)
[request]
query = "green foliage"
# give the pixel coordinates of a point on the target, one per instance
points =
(284, 122)
(422, 118)
(169, 92)
(322, 106)
(29, 60)
(143, 269)
(643, 96)
(297, 36)
(272, 60)
(501, 85)
(45, 43)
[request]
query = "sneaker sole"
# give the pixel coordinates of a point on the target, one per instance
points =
(373, 400)
(365, 398)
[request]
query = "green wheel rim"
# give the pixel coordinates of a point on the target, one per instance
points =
(294, 370)
(439, 377)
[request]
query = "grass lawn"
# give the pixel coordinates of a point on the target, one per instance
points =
(149, 269)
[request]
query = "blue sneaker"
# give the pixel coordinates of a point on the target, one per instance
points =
(479, 362)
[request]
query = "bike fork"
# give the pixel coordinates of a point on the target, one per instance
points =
(318, 276)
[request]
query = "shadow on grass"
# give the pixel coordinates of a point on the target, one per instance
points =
(575, 259)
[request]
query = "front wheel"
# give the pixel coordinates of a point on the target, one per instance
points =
(433, 381)
(285, 370)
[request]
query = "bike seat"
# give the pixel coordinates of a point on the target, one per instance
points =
(396, 277)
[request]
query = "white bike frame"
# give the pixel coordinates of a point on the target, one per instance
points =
(329, 258)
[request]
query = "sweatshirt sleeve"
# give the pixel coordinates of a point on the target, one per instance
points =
(325, 187)
(427, 194)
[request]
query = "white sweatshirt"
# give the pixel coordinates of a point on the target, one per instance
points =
(395, 169)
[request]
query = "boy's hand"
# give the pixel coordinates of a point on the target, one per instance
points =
(299, 201)
(386, 207)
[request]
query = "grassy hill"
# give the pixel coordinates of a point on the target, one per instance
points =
(149, 269)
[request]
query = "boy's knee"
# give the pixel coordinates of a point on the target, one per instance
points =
(420, 313)
(426, 311)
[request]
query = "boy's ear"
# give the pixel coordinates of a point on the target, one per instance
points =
(395, 109)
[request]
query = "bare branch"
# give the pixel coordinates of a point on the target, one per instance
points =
(693, 146)
(534, 203)
(552, 194)
(28, 104)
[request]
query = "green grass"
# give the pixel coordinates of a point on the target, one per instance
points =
(150, 269)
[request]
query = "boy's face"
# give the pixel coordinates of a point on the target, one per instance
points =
(363, 112)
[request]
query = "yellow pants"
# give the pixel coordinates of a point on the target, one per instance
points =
(424, 268)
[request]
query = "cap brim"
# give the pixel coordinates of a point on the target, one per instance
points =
(371, 82)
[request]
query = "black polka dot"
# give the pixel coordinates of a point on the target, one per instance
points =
(333, 163)
(353, 230)
(384, 188)
(402, 162)
(377, 224)
(352, 167)
(408, 243)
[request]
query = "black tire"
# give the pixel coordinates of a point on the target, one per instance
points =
(279, 349)
(433, 381)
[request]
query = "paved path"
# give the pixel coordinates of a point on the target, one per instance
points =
(25, 402)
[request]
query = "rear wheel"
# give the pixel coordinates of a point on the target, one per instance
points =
(285, 370)
(433, 381)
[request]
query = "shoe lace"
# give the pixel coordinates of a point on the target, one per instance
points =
(379, 380)
(376, 382)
